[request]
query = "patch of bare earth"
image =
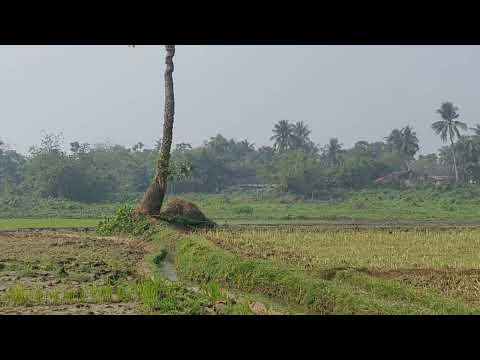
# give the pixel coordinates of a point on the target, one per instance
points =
(63, 262)
(79, 309)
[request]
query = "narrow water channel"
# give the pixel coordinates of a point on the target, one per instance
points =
(167, 269)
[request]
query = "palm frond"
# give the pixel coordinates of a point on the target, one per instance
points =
(438, 126)
(461, 125)
(457, 132)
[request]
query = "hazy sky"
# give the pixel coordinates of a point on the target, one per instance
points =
(96, 94)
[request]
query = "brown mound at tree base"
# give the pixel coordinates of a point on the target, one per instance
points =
(182, 212)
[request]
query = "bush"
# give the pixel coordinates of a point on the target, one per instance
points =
(125, 221)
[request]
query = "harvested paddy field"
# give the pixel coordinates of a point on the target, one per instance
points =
(444, 260)
(244, 270)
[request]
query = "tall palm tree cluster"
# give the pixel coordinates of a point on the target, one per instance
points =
(294, 136)
(289, 136)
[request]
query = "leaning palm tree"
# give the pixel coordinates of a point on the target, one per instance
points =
(283, 136)
(449, 127)
(153, 198)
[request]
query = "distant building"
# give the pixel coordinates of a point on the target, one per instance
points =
(438, 180)
(409, 177)
(395, 177)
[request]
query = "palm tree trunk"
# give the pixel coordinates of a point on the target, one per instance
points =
(153, 198)
(405, 162)
(454, 161)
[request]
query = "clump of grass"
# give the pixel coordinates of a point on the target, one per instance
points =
(100, 293)
(243, 210)
(214, 292)
(17, 296)
(74, 295)
(161, 296)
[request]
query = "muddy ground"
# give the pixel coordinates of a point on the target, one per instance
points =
(74, 273)
(52, 261)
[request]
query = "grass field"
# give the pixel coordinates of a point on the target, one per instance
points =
(13, 224)
(459, 205)
(387, 205)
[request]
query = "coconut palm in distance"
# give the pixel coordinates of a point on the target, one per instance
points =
(393, 140)
(301, 133)
(404, 142)
(332, 152)
(408, 146)
(301, 137)
(449, 128)
(283, 136)
(152, 201)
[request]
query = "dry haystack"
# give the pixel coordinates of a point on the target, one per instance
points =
(183, 212)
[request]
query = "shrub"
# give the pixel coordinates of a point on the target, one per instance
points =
(125, 221)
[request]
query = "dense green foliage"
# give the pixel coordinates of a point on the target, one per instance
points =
(294, 163)
(125, 221)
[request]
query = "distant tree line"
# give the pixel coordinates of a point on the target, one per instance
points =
(293, 161)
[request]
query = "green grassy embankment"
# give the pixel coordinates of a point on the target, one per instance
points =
(338, 292)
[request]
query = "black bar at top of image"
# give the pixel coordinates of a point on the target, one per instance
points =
(325, 26)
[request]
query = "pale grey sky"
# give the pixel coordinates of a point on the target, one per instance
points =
(115, 93)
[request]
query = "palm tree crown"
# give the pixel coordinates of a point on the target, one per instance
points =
(404, 142)
(449, 127)
(409, 142)
(301, 137)
(283, 136)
